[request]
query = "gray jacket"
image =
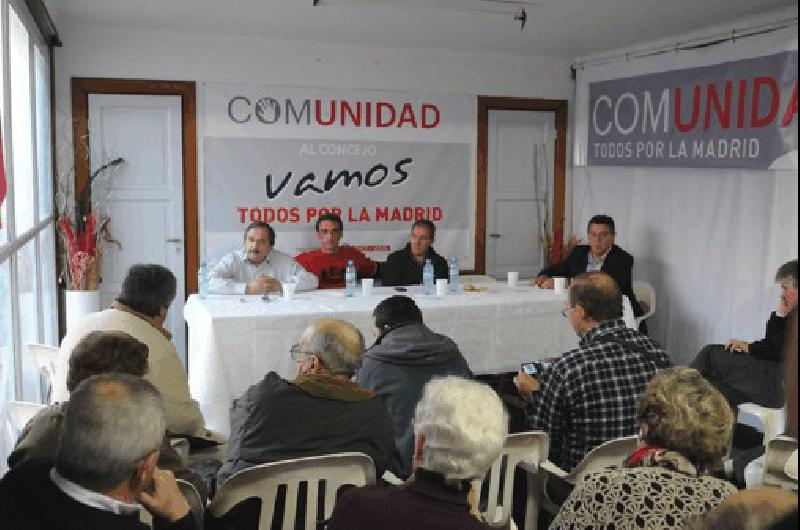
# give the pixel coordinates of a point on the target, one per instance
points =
(397, 367)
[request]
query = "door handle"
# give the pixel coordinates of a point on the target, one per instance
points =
(175, 240)
(495, 236)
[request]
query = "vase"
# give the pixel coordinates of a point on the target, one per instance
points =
(78, 304)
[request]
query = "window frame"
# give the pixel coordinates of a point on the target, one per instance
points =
(15, 243)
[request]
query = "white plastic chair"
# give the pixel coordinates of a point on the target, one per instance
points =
(194, 500)
(771, 422)
(528, 450)
(18, 414)
(321, 473)
(645, 293)
(778, 452)
(45, 358)
(609, 454)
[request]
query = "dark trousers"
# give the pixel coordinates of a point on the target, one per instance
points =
(741, 377)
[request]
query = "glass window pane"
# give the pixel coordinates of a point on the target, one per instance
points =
(43, 151)
(22, 148)
(29, 313)
(47, 255)
(6, 352)
(3, 214)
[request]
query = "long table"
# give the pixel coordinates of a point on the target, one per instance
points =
(235, 340)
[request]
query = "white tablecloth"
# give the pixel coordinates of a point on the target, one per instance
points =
(235, 340)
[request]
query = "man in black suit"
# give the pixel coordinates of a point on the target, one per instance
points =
(600, 254)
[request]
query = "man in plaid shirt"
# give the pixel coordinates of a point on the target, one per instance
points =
(588, 396)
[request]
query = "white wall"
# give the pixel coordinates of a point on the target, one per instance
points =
(118, 52)
(96, 51)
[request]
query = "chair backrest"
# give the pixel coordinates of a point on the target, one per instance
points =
(771, 422)
(45, 358)
(19, 414)
(609, 454)
(528, 447)
(322, 474)
(644, 292)
(194, 500)
(777, 453)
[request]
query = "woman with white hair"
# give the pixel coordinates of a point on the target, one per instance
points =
(460, 427)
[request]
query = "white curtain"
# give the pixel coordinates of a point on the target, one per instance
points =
(708, 240)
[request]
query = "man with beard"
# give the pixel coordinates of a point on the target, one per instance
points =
(258, 268)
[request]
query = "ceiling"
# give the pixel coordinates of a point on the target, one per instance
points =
(567, 28)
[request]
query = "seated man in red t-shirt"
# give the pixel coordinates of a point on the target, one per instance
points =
(330, 261)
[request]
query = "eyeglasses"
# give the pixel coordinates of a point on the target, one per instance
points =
(298, 354)
(600, 235)
(566, 310)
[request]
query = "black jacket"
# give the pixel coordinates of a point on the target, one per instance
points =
(771, 346)
(278, 420)
(30, 500)
(402, 269)
(618, 264)
(426, 503)
(397, 367)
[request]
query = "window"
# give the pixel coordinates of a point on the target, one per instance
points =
(28, 290)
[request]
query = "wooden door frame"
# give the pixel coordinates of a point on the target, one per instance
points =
(487, 103)
(83, 86)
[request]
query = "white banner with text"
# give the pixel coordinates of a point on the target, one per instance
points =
(381, 160)
(724, 106)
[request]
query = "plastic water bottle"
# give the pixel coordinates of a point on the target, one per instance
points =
(350, 279)
(454, 272)
(428, 280)
(202, 281)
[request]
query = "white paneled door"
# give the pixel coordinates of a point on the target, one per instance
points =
(144, 195)
(521, 147)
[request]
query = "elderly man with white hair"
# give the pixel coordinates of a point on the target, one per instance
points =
(320, 412)
(104, 468)
(460, 428)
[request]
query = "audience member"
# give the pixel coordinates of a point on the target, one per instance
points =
(790, 521)
(588, 395)
(460, 429)
(601, 254)
(685, 431)
(99, 352)
(321, 412)
(105, 463)
(140, 311)
(751, 371)
(755, 509)
(404, 267)
(405, 356)
(329, 262)
(258, 268)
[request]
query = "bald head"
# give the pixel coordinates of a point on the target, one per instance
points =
(598, 294)
(338, 344)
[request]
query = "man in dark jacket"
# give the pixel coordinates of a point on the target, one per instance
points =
(404, 267)
(751, 371)
(601, 254)
(104, 467)
(320, 412)
(406, 356)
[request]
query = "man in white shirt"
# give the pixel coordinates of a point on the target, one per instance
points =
(258, 268)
